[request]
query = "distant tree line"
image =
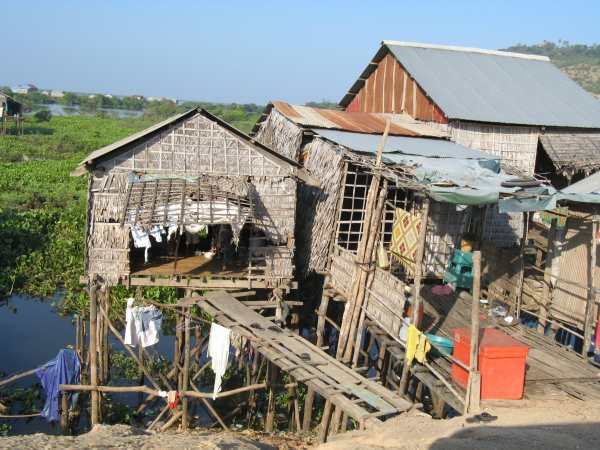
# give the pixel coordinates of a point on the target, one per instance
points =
(562, 53)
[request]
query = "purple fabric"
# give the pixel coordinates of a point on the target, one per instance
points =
(64, 369)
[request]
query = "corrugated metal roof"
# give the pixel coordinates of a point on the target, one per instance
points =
(497, 87)
(492, 86)
(401, 124)
(573, 151)
(429, 148)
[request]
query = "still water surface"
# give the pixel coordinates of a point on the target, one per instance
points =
(32, 332)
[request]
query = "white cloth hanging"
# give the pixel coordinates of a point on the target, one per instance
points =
(142, 324)
(218, 350)
(141, 239)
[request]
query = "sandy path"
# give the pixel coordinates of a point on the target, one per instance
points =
(549, 425)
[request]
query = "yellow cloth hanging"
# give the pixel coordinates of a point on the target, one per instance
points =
(417, 345)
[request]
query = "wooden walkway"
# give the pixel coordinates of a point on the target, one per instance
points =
(552, 370)
(362, 399)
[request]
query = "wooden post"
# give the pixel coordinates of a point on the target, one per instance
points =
(177, 345)
(365, 275)
(94, 415)
(590, 305)
(271, 379)
(64, 413)
(186, 369)
(105, 344)
(364, 255)
(522, 272)
(323, 432)
(310, 394)
(417, 300)
(474, 384)
(336, 419)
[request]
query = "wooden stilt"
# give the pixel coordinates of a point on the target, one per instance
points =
(521, 280)
(417, 300)
(547, 300)
(324, 431)
(186, 369)
(64, 413)
(334, 428)
(590, 309)
(310, 394)
(94, 415)
(177, 346)
(473, 386)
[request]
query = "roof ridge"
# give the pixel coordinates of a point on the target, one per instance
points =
(466, 49)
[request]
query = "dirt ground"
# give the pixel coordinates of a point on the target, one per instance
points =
(547, 425)
(125, 437)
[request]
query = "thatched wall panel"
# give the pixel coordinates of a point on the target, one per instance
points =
(317, 206)
(281, 134)
(108, 251)
(107, 207)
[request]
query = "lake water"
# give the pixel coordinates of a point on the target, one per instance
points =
(64, 110)
(32, 333)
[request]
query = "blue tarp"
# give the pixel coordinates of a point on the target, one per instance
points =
(64, 369)
(452, 173)
(584, 191)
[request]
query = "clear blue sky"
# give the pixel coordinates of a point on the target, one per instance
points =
(253, 51)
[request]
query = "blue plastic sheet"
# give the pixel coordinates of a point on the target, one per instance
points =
(64, 369)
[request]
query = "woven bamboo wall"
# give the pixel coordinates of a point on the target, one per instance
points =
(385, 301)
(385, 297)
(274, 200)
(193, 147)
(342, 270)
(517, 148)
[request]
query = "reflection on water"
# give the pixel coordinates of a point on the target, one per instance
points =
(74, 110)
(31, 333)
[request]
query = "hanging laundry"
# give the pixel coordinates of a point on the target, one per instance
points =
(417, 345)
(64, 369)
(218, 350)
(142, 324)
(141, 239)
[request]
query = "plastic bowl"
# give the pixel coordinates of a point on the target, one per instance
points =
(441, 344)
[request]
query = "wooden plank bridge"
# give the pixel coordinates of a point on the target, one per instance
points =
(364, 400)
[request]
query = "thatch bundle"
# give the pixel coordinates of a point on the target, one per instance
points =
(279, 133)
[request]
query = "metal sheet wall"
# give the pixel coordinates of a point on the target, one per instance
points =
(390, 89)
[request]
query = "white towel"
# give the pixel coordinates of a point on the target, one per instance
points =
(218, 350)
(142, 324)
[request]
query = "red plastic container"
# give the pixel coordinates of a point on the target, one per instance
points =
(502, 362)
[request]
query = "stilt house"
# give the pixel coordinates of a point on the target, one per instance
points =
(338, 148)
(191, 202)
(518, 107)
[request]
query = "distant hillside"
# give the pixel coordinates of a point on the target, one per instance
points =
(580, 62)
